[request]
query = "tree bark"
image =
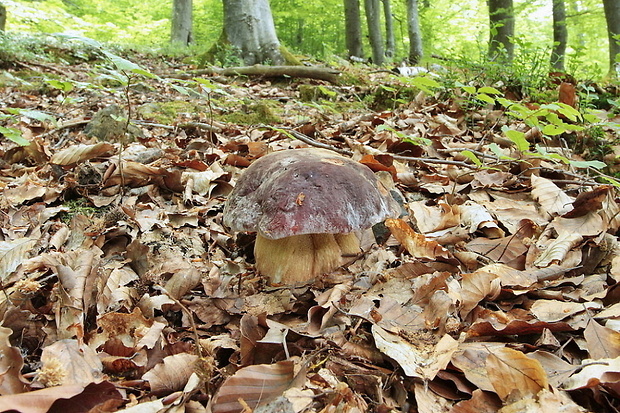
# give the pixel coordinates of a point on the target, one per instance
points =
(248, 26)
(415, 35)
(373, 19)
(2, 17)
(181, 31)
(612, 16)
(560, 35)
(502, 28)
(390, 43)
(353, 28)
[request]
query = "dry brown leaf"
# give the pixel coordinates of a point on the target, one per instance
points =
(593, 373)
(505, 250)
(475, 217)
(476, 287)
(557, 249)
(420, 354)
(471, 360)
(254, 385)
(602, 342)
(480, 402)
(171, 374)
(514, 375)
(40, 401)
(551, 198)
(551, 311)
(12, 253)
(67, 362)
(416, 244)
(558, 370)
(428, 401)
(80, 153)
(11, 363)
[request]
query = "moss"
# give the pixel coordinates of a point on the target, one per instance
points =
(289, 58)
(313, 93)
(167, 112)
(262, 112)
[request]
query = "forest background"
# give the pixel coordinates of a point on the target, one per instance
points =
(450, 30)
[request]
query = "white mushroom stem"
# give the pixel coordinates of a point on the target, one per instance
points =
(301, 258)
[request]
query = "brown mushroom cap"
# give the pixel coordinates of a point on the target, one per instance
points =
(307, 191)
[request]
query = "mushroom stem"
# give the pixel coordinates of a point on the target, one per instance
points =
(301, 258)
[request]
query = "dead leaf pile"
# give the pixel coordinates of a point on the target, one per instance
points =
(496, 290)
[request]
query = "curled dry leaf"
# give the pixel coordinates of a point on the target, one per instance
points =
(557, 249)
(514, 375)
(551, 198)
(254, 385)
(12, 253)
(63, 398)
(602, 342)
(416, 244)
(80, 153)
(476, 287)
(11, 363)
(172, 374)
(420, 354)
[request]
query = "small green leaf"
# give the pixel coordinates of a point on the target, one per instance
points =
(569, 111)
(518, 138)
(610, 180)
(553, 130)
(121, 63)
(469, 89)
(590, 118)
(37, 115)
(425, 83)
(472, 157)
(14, 135)
(497, 151)
(63, 86)
(588, 164)
(145, 73)
(489, 90)
(485, 98)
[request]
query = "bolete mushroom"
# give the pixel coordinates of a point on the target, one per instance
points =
(305, 205)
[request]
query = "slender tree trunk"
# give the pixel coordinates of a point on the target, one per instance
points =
(373, 18)
(612, 15)
(2, 17)
(390, 43)
(248, 26)
(502, 28)
(181, 33)
(415, 35)
(353, 28)
(560, 35)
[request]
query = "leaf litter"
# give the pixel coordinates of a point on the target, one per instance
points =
(496, 290)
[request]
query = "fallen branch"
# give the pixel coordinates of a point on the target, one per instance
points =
(311, 72)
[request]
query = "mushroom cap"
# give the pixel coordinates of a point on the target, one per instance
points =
(307, 191)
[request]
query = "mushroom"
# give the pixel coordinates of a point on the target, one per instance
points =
(305, 205)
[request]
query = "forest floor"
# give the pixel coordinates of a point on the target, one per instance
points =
(122, 289)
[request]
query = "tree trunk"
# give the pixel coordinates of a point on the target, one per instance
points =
(353, 28)
(2, 17)
(415, 35)
(248, 26)
(181, 32)
(560, 35)
(390, 44)
(612, 15)
(373, 19)
(502, 28)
